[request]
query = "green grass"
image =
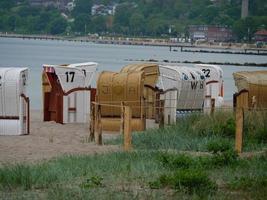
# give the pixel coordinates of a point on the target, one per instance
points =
(196, 131)
(255, 126)
(190, 181)
(155, 170)
(116, 171)
(129, 176)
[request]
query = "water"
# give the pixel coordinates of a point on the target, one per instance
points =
(35, 53)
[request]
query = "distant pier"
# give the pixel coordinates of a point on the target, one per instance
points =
(216, 49)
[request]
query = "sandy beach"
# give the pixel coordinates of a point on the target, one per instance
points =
(48, 140)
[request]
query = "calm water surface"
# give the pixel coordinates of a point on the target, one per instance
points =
(35, 53)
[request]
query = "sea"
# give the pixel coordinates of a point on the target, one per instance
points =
(17, 52)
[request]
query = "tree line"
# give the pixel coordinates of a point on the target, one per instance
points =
(134, 18)
(18, 17)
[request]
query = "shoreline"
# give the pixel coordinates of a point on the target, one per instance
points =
(185, 47)
(244, 48)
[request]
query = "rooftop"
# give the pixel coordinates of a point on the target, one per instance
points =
(261, 32)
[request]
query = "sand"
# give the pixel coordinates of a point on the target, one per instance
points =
(48, 140)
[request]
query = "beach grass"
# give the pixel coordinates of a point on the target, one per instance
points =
(194, 132)
(136, 175)
(193, 159)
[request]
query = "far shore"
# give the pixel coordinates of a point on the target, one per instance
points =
(163, 42)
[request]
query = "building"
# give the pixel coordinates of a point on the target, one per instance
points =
(261, 36)
(210, 33)
(70, 6)
(59, 4)
(100, 9)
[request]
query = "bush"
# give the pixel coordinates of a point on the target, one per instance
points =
(248, 183)
(94, 181)
(228, 128)
(191, 181)
(194, 181)
(225, 158)
(219, 145)
(261, 134)
(27, 177)
(18, 175)
(223, 153)
(255, 126)
(222, 123)
(176, 161)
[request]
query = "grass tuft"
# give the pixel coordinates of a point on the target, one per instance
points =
(218, 146)
(187, 180)
(94, 181)
(176, 161)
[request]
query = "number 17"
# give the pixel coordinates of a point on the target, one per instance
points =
(69, 76)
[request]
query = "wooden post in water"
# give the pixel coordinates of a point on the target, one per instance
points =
(241, 105)
(127, 128)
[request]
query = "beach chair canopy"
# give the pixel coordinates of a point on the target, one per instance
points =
(13, 83)
(14, 104)
(255, 82)
(189, 83)
(134, 83)
(79, 75)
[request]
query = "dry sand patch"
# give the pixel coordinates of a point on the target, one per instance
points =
(48, 140)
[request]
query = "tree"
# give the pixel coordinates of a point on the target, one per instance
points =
(98, 24)
(57, 26)
(209, 14)
(156, 26)
(81, 22)
(181, 9)
(6, 4)
(12, 22)
(135, 17)
(43, 21)
(245, 28)
(82, 7)
(137, 23)
(258, 7)
(25, 11)
(123, 14)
